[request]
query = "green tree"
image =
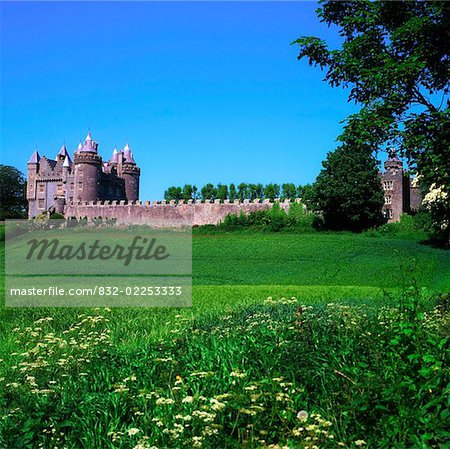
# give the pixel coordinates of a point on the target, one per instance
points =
(306, 194)
(288, 191)
(222, 192)
(348, 191)
(243, 191)
(208, 192)
(272, 191)
(13, 201)
(233, 192)
(173, 193)
(188, 192)
(255, 191)
(394, 57)
(259, 191)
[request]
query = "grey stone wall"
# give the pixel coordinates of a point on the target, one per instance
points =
(163, 214)
(415, 199)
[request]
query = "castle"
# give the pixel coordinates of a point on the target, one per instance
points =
(88, 187)
(55, 183)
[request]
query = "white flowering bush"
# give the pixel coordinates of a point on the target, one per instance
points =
(437, 202)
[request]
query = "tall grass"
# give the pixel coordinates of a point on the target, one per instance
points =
(280, 374)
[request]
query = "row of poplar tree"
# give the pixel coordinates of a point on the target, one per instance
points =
(232, 192)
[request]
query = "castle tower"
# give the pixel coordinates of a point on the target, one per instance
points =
(114, 157)
(393, 186)
(33, 170)
(130, 172)
(67, 164)
(88, 169)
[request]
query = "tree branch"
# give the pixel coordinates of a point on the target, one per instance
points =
(422, 100)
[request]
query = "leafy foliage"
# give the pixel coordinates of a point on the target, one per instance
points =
(273, 219)
(13, 202)
(173, 193)
(222, 192)
(395, 60)
(272, 191)
(289, 190)
(243, 191)
(233, 192)
(348, 190)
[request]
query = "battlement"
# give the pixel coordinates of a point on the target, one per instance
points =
(282, 203)
(163, 213)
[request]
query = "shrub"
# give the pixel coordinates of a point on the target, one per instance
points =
(56, 216)
(273, 219)
(408, 227)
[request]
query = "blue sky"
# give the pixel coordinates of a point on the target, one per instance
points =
(203, 92)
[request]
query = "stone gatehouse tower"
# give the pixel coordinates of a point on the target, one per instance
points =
(54, 183)
(400, 195)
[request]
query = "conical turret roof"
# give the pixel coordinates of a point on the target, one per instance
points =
(63, 151)
(128, 155)
(67, 162)
(35, 157)
(89, 144)
(114, 156)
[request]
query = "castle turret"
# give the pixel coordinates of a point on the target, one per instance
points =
(33, 162)
(114, 157)
(32, 169)
(88, 169)
(393, 163)
(393, 186)
(62, 153)
(130, 173)
(67, 164)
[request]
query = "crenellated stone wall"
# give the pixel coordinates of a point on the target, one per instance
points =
(162, 214)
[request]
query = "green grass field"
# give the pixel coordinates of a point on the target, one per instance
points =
(317, 260)
(233, 273)
(238, 268)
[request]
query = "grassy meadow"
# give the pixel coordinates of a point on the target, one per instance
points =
(350, 350)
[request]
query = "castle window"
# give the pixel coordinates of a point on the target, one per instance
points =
(59, 188)
(388, 199)
(41, 188)
(72, 185)
(41, 204)
(388, 185)
(388, 213)
(80, 185)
